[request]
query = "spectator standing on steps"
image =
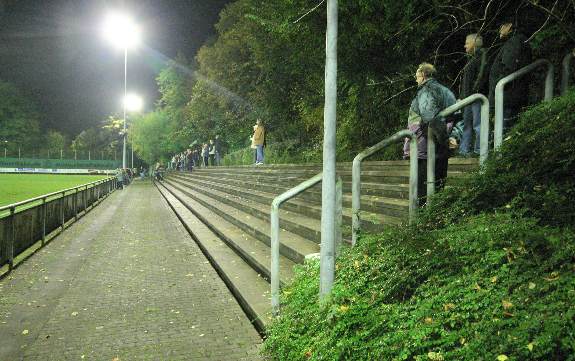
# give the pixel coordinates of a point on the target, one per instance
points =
(513, 55)
(258, 141)
(474, 81)
(218, 146)
(205, 154)
(212, 152)
(431, 98)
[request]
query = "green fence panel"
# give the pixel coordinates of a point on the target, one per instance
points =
(59, 163)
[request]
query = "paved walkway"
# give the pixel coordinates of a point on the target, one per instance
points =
(125, 282)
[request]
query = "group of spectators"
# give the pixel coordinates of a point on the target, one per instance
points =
(207, 154)
(124, 176)
(479, 76)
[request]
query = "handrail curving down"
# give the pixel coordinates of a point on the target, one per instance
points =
(549, 78)
(356, 179)
(275, 230)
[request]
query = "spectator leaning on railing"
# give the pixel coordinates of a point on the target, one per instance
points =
(431, 98)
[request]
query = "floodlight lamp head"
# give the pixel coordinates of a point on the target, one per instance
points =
(122, 31)
(133, 103)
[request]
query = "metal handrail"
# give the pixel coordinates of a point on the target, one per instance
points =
(566, 73)
(356, 179)
(483, 132)
(7, 240)
(63, 191)
(275, 230)
(498, 132)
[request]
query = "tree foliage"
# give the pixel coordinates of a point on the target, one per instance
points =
(19, 119)
(267, 61)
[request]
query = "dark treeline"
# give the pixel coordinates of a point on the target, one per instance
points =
(267, 61)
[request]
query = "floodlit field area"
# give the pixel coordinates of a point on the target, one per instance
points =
(19, 187)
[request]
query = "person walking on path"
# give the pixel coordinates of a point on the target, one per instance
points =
(258, 140)
(431, 98)
(513, 55)
(474, 81)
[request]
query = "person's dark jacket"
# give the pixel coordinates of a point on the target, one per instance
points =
(513, 55)
(432, 97)
(218, 146)
(475, 75)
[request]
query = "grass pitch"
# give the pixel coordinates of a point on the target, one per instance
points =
(18, 187)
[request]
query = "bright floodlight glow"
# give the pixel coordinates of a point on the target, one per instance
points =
(133, 103)
(121, 30)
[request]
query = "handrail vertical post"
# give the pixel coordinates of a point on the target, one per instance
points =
(275, 266)
(355, 198)
(566, 73)
(11, 238)
(62, 213)
(338, 214)
(484, 132)
(85, 196)
(76, 205)
(549, 80)
(430, 163)
(44, 208)
(413, 175)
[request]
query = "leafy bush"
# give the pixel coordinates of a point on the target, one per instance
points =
(534, 173)
(277, 153)
(488, 273)
(494, 286)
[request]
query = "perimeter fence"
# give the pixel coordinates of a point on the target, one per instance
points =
(26, 223)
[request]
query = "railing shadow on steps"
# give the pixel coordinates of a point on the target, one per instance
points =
(275, 230)
(549, 79)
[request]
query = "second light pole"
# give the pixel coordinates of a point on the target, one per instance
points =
(123, 32)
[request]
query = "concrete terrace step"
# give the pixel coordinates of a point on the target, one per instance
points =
(250, 289)
(298, 176)
(456, 164)
(293, 246)
(311, 198)
(373, 221)
(293, 222)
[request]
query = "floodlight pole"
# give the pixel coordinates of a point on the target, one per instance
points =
(124, 160)
(328, 224)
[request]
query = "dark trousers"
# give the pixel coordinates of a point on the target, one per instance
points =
(212, 159)
(205, 160)
(440, 177)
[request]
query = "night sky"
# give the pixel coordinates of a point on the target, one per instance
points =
(54, 51)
